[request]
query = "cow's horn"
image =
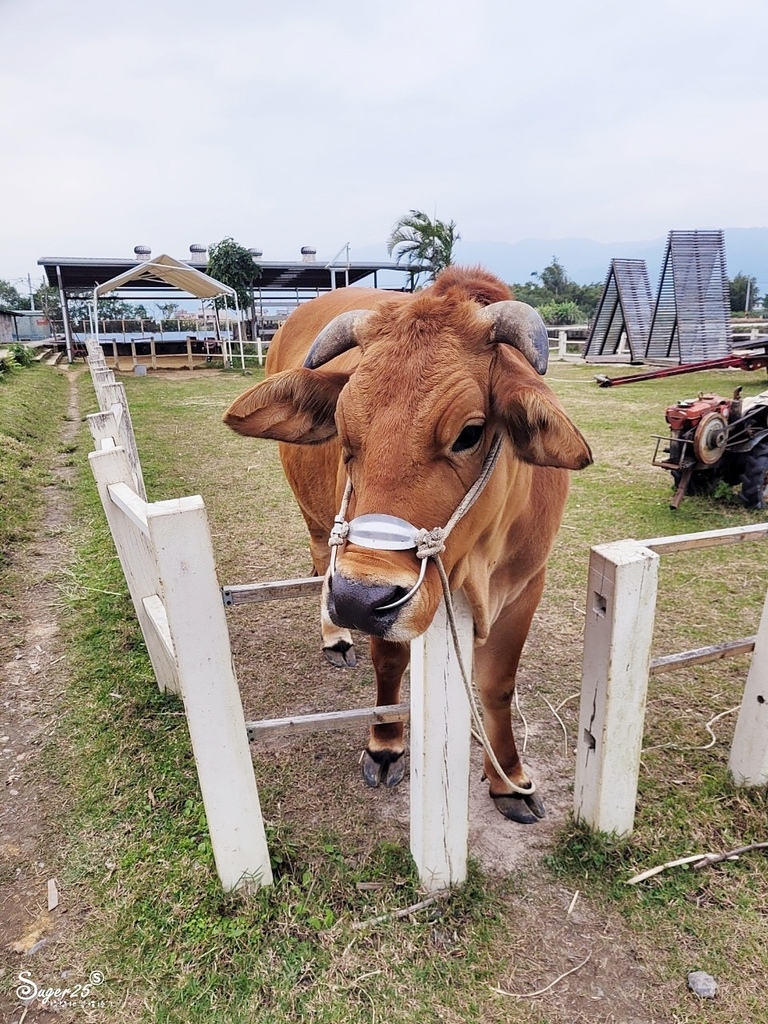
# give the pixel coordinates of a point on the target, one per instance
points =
(338, 336)
(519, 325)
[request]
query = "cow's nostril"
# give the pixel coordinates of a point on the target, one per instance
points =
(357, 605)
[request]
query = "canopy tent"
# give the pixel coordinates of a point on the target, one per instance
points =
(167, 270)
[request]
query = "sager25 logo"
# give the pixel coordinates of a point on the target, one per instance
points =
(28, 989)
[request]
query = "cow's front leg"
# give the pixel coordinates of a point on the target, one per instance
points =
(495, 671)
(338, 649)
(384, 757)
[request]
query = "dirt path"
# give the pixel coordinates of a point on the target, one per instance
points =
(31, 804)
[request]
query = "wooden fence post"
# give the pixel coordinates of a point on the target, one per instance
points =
(440, 738)
(181, 542)
(114, 395)
(111, 466)
(748, 762)
(621, 606)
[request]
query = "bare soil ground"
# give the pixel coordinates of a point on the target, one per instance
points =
(32, 806)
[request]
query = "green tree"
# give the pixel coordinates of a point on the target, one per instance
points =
(232, 264)
(417, 240)
(743, 293)
(47, 299)
(10, 297)
(168, 310)
(552, 288)
(554, 278)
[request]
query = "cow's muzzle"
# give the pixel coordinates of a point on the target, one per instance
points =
(371, 607)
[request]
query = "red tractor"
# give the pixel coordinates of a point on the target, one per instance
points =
(714, 438)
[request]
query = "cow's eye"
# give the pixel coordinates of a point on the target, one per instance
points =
(469, 438)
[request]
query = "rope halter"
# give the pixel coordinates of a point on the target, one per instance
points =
(390, 533)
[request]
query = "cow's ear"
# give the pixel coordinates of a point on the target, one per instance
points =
(540, 430)
(297, 406)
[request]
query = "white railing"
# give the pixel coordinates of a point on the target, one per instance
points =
(166, 553)
(621, 604)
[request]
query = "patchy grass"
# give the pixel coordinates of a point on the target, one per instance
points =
(175, 949)
(32, 405)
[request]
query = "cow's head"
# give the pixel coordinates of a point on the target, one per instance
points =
(437, 377)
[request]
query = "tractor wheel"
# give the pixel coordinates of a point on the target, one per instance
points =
(755, 476)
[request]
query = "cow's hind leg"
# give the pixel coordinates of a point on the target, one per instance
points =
(495, 671)
(384, 757)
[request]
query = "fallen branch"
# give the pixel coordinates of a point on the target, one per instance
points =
(715, 858)
(395, 914)
(698, 860)
(540, 991)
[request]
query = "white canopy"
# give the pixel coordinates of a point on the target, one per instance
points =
(177, 275)
(172, 272)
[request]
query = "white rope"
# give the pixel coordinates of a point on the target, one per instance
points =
(475, 712)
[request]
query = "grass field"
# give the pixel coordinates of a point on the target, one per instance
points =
(136, 859)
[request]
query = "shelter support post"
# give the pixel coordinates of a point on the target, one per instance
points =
(621, 606)
(440, 738)
(748, 762)
(65, 317)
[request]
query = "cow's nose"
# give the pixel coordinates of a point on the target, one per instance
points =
(356, 605)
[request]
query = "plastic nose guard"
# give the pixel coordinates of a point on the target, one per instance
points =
(384, 533)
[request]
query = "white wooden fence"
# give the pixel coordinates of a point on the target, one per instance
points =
(167, 557)
(621, 605)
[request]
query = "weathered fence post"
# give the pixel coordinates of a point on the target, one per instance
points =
(111, 395)
(748, 762)
(621, 605)
(440, 738)
(110, 467)
(181, 543)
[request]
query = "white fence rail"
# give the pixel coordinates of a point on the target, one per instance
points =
(167, 557)
(621, 604)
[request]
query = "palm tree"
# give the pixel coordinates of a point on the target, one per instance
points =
(423, 243)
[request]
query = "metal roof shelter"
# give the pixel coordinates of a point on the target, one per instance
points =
(273, 282)
(76, 275)
(624, 313)
(692, 318)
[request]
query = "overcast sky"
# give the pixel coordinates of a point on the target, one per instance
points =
(295, 122)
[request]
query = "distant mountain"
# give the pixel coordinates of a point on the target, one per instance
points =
(587, 262)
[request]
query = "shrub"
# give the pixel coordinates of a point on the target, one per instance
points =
(557, 313)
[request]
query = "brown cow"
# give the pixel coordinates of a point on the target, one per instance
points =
(402, 396)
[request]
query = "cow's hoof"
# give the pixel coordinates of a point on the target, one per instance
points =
(527, 810)
(341, 655)
(389, 770)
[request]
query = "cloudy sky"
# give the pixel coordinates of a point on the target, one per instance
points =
(282, 124)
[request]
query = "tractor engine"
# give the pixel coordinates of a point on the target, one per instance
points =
(715, 439)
